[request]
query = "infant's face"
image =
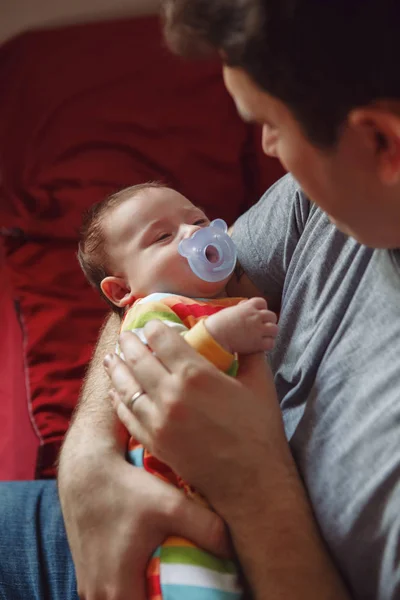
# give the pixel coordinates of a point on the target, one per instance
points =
(143, 235)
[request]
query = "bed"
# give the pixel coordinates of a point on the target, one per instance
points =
(91, 103)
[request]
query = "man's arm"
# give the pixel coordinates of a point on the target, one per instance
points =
(275, 533)
(94, 422)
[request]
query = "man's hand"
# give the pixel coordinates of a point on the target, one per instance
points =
(116, 515)
(217, 432)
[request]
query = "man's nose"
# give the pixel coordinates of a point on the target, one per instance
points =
(269, 141)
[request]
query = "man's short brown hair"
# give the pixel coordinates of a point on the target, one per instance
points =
(321, 58)
(92, 253)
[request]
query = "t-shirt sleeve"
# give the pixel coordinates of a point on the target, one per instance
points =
(266, 236)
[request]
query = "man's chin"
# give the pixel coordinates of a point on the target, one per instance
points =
(345, 229)
(339, 225)
(369, 239)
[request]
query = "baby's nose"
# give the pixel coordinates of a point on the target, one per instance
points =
(188, 230)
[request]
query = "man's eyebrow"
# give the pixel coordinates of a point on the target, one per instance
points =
(248, 117)
(244, 114)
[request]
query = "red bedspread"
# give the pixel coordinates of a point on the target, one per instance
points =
(84, 111)
(18, 442)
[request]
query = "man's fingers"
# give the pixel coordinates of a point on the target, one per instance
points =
(122, 378)
(139, 371)
(148, 371)
(202, 527)
(129, 587)
(133, 423)
(171, 349)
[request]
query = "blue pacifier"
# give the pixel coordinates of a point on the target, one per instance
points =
(210, 252)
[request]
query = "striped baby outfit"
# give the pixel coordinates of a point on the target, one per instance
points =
(178, 570)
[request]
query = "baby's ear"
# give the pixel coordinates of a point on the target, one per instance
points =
(117, 291)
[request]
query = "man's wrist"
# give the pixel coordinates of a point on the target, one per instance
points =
(259, 487)
(84, 442)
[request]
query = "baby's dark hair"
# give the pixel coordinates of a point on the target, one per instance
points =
(92, 252)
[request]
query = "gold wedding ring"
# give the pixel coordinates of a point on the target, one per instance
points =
(135, 397)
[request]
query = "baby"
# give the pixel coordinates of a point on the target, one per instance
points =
(129, 252)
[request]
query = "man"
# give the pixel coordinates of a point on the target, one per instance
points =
(321, 78)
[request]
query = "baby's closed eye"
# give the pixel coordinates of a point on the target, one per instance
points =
(162, 237)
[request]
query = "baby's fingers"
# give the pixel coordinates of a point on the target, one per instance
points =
(267, 316)
(270, 330)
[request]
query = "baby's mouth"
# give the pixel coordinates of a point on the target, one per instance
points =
(212, 254)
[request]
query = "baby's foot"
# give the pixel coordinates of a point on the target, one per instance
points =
(245, 328)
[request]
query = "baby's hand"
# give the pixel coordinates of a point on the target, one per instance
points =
(246, 328)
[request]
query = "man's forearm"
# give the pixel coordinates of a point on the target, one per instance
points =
(95, 424)
(277, 540)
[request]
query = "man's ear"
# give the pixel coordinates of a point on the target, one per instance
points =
(379, 126)
(117, 291)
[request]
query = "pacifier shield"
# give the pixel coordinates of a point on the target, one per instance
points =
(210, 252)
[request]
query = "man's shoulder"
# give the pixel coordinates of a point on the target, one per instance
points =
(282, 205)
(288, 187)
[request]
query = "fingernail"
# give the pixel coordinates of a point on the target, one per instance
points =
(124, 337)
(107, 360)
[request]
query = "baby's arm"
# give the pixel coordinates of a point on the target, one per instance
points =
(245, 328)
(198, 337)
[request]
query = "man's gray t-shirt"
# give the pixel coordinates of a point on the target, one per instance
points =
(337, 372)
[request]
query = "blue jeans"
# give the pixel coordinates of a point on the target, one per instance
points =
(35, 560)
